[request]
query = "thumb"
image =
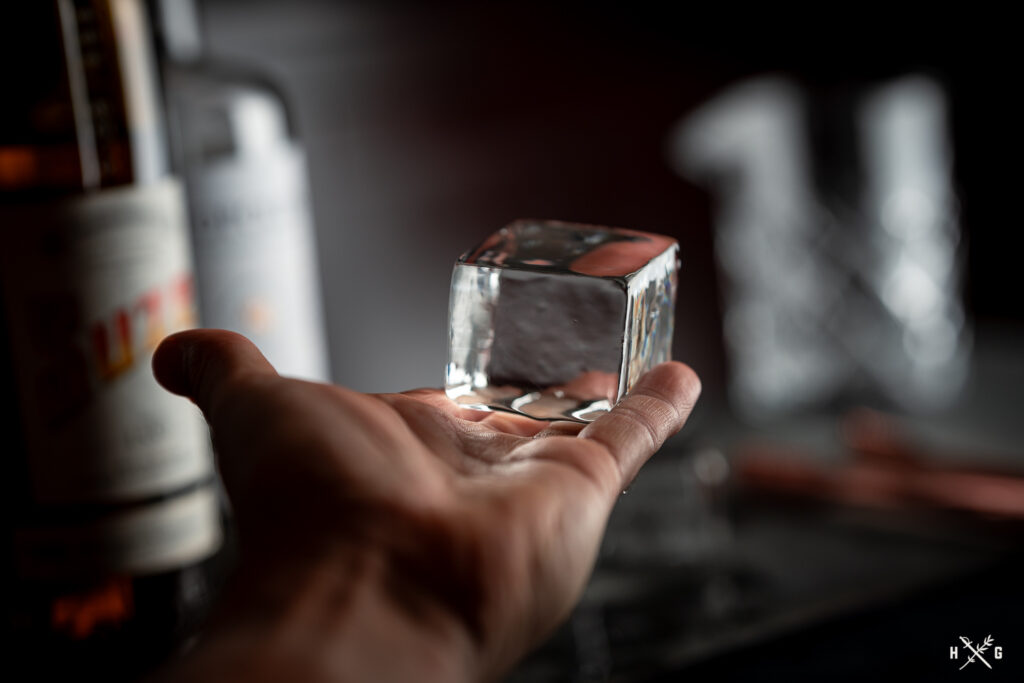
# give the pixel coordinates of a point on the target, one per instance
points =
(205, 365)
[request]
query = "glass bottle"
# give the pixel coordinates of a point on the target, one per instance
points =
(248, 196)
(111, 508)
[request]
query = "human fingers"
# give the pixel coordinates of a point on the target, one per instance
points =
(206, 365)
(656, 408)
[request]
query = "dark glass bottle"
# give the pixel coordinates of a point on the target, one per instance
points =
(111, 511)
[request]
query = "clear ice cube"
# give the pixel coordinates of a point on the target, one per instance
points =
(557, 321)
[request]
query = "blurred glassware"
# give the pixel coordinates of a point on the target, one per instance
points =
(840, 254)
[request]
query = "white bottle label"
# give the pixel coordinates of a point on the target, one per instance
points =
(91, 286)
(255, 251)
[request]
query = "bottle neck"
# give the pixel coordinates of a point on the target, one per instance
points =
(177, 29)
(141, 88)
(84, 109)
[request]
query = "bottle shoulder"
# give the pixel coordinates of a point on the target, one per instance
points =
(227, 72)
(210, 81)
(220, 109)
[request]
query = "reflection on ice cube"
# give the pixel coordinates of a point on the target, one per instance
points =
(558, 320)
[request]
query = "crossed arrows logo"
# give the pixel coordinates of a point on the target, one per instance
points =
(976, 651)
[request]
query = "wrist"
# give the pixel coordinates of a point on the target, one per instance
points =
(340, 617)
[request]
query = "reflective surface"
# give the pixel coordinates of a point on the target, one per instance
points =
(558, 320)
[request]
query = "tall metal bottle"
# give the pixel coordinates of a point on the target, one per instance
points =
(248, 197)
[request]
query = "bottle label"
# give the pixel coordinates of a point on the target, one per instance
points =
(155, 537)
(255, 251)
(91, 286)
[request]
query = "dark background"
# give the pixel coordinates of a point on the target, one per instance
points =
(429, 125)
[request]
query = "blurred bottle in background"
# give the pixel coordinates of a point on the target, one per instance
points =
(109, 488)
(837, 239)
(248, 196)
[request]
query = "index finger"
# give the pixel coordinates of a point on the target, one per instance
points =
(656, 408)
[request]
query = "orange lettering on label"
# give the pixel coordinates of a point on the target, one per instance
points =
(149, 309)
(79, 615)
(129, 333)
(183, 301)
(113, 352)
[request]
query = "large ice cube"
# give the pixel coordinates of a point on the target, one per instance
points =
(557, 320)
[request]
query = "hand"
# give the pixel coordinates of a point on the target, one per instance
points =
(397, 536)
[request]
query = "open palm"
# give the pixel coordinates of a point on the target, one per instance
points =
(474, 529)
